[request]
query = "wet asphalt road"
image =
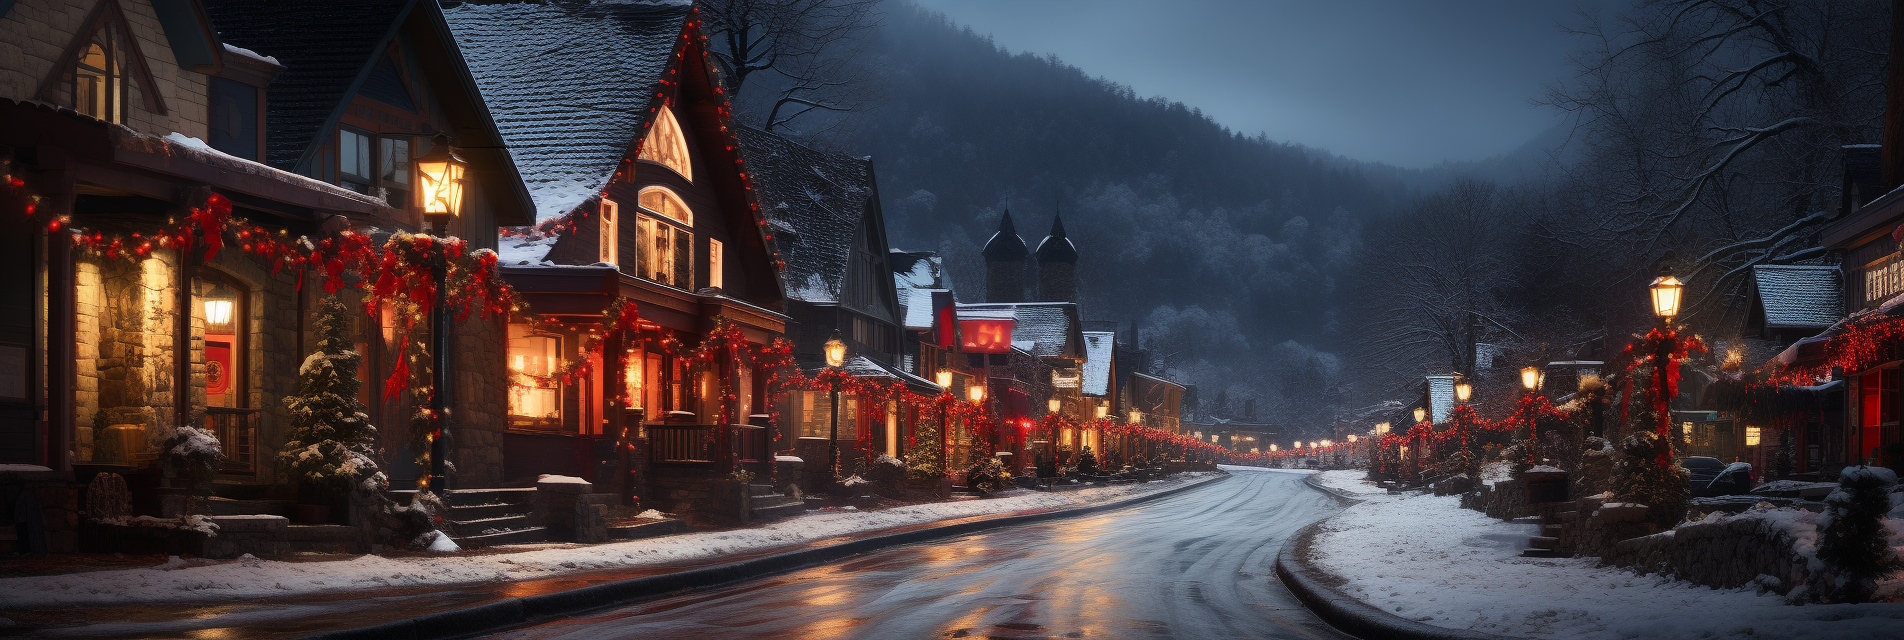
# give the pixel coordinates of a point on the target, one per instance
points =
(1195, 565)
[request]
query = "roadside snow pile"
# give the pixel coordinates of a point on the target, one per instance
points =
(1349, 481)
(1426, 559)
(269, 579)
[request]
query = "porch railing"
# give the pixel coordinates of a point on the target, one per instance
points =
(676, 443)
(237, 431)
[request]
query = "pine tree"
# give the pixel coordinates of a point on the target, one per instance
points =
(1852, 540)
(332, 448)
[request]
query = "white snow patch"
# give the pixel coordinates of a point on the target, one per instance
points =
(551, 478)
(22, 467)
(252, 54)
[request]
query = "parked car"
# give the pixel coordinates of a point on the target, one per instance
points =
(1710, 477)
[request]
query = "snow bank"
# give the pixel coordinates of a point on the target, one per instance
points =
(227, 580)
(1349, 481)
(1426, 559)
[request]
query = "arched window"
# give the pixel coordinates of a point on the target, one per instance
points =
(665, 237)
(662, 202)
(666, 145)
(98, 86)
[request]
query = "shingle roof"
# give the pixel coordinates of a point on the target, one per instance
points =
(1098, 347)
(570, 85)
(815, 200)
(1046, 326)
(324, 47)
(1799, 296)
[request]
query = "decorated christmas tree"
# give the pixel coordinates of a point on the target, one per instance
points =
(332, 448)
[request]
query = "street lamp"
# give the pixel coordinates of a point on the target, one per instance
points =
(835, 358)
(976, 393)
(1530, 378)
(944, 378)
(1666, 294)
(1463, 391)
(1053, 405)
(1381, 429)
(1103, 411)
(1421, 415)
(440, 178)
(441, 182)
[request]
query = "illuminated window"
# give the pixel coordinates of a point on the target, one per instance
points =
(98, 84)
(714, 263)
(535, 386)
(816, 415)
(634, 366)
(610, 240)
(1751, 436)
(666, 145)
(662, 202)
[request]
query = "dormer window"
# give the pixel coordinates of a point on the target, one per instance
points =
(665, 239)
(98, 84)
(665, 145)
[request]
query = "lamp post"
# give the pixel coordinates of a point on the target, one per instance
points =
(944, 378)
(835, 358)
(1666, 293)
(441, 182)
(1463, 391)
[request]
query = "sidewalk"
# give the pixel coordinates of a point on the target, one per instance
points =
(1423, 558)
(205, 581)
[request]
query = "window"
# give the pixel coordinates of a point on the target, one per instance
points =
(353, 161)
(666, 145)
(234, 112)
(662, 202)
(815, 410)
(713, 263)
(98, 83)
(535, 386)
(610, 240)
(666, 252)
(394, 157)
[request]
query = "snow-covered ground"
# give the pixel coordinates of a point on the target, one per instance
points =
(197, 581)
(1349, 481)
(1424, 558)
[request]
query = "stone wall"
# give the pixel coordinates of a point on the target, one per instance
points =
(35, 33)
(1722, 552)
(125, 368)
(52, 496)
(481, 405)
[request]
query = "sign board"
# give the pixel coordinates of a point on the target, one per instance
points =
(986, 336)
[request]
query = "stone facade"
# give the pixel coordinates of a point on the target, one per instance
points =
(1726, 553)
(481, 393)
(34, 34)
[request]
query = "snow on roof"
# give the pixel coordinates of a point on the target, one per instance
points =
(179, 144)
(1042, 329)
(525, 246)
(819, 194)
(1799, 296)
(252, 54)
(569, 85)
(916, 307)
(1098, 347)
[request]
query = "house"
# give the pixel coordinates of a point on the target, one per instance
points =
(932, 348)
(823, 208)
(136, 124)
(649, 260)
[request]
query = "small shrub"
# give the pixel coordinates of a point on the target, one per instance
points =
(1852, 541)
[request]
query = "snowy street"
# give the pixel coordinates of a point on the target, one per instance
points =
(1194, 565)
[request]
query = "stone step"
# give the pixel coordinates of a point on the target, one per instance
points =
(646, 529)
(241, 490)
(1554, 530)
(477, 527)
(1567, 516)
(481, 511)
(518, 536)
(515, 495)
(229, 507)
(1544, 542)
(758, 490)
(1541, 553)
(775, 512)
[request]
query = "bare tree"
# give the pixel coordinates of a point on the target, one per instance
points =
(1712, 131)
(810, 49)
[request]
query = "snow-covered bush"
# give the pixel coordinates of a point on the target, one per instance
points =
(1852, 541)
(331, 449)
(1595, 473)
(1641, 479)
(191, 455)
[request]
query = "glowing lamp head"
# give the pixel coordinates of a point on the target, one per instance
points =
(1296, 445)
(1381, 429)
(1421, 414)
(1272, 448)
(1053, 405)
(1136, 416)
(976, 393)
(1351, 438)
(944, 378)
(440, 179)
(835, 351)
(1530, 378)
(1666, 294)
(1328, 443)
(218, 311)
(1463, 391)
(1103, 411)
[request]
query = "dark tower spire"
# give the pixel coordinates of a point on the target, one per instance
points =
(1005, 256)
(1057, 265)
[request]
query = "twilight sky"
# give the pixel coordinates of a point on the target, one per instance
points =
(1409, 83)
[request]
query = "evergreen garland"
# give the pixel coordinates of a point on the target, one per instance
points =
(332, 448)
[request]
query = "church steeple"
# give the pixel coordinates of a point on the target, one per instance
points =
(1057, 265)
(1056, 247)
(1005, 256)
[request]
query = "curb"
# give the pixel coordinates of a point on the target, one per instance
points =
(1346, 613)
(514, 611)
(1345, 499)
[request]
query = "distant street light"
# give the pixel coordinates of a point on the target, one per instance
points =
(1666, 294)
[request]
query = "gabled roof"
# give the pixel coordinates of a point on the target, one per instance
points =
(324, 47)
(1043, 329)
(572, 86)
(1799, 296)
(1098, 347)
(815, 200)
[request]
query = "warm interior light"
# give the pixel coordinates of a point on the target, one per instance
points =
(944, 378)
(835, 352)
(1053, 405)
(1421, 415)
(1463, 391)
(440, 179)
(1666, 294)
(975, 392)
(1136, 416)
(1751, 436)
(1103, 411)
(1530, 378)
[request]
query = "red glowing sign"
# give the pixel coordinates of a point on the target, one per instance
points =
(986, 336)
